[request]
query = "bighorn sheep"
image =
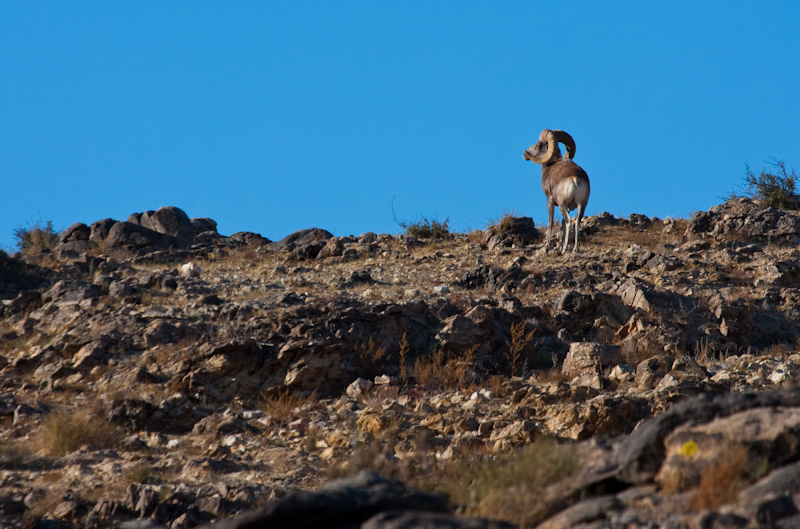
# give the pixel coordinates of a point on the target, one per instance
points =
(564, 183)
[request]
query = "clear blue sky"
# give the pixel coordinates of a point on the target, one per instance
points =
(276, 116)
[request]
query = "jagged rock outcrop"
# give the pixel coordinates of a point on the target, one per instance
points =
(742, 219)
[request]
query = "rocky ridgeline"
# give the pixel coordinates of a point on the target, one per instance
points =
(240, 375)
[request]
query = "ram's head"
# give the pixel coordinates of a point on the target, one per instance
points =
(546, 149)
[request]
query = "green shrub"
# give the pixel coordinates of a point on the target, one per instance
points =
(36, 236)
(773, 188)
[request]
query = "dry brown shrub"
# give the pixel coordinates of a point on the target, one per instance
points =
(62, 432)
(404, 349)
(503, 223)
(496, 384)
(704, 352)
(778, 350)
(371, 357)
(721, 480)
(439, 371)
(519, 340)
(284, 405)
(552, 375)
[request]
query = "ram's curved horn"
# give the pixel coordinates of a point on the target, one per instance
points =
(567, 140)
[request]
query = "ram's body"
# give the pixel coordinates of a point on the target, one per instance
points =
(564, 183)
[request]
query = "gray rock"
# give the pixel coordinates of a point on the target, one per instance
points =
(744, 218)
(642, 453)
(120, 289)
(168, 220)
(429, 520)
(77, 232)
(590, 510)
(130, 237)
(99, 230)
(513, 231)
(302, 238)
(589, 357)
(203, 225)
(343, 503)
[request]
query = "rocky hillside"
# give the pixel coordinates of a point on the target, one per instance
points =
(154, 369)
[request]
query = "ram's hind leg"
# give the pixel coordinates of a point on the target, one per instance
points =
(566, 221)
(578, 218)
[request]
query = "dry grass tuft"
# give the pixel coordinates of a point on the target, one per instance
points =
(285, 405)
(63, 432)
(622, 236)
(139, 473)
(515, 487)
(502, 224)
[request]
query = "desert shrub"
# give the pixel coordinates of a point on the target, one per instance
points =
(12, 453)
(519, 340)
(514, 486)
(63, 432)
(721, 480)
(36, 236)
(372, 358)
(502, 224)
(284, 405)
(439, 371)
(773, 188)
(405, 347)
(139, 473)
(426, 228)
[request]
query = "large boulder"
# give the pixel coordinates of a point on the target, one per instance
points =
(131, 237)
(98, 231)
(588, 357)
(74, 241)
(304, 244)
(512, 231)
(168, 220)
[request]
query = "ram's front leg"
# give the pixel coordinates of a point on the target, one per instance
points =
(551, 207)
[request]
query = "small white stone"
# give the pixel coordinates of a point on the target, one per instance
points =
(230, 440)
(190, 270)
(358, 387)
(777, 376)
